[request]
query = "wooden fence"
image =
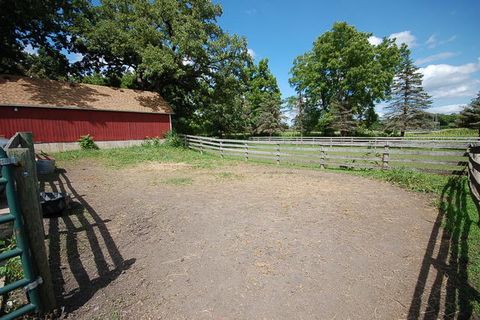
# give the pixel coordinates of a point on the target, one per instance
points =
(445, 157)
(474, 173)
(467, 140)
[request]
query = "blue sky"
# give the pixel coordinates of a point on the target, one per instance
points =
(443, 36)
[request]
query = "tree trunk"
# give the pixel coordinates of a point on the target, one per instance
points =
(402, 133)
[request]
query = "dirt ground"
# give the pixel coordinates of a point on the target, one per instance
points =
(168, 241)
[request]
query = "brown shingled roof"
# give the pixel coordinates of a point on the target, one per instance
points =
(42, 93)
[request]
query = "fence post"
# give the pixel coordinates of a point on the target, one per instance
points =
(201, 146)
(246, 151)
(25, 176)
(385, 157)
(278, 153)
(322, 157)
(221, 149)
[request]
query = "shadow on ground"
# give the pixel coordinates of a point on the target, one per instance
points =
(447, 252)
(63, 234)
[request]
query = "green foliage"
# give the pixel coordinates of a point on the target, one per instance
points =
(344, 69)
(470, 116)
(154, 142)
(409, 99)
(172, 139)
(40, 25)
(447, 120)
(263, 101)
(87, 143)
(10, 271)
(175, 48)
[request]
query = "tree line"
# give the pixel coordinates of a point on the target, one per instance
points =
(178, 49)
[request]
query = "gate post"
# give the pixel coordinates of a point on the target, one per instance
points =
(25, 176)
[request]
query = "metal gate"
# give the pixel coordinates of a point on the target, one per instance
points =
(29, 282)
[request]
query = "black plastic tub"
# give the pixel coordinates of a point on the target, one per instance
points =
(54, 203)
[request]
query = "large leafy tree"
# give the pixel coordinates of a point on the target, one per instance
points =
(409, 100)
(264, 101)
(29, 25)
(173, 47)
(345, 70)
(470, 115)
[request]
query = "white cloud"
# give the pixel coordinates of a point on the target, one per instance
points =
(374, 40)
(251, 12)
(433, 41)
(436, 57)
(447, 109)
(448, 81)
(251, 53)
(404, 37)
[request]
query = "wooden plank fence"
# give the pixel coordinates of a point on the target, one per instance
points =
(474, 174)
(445, 157)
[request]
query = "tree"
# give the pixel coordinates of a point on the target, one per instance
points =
(342, 118)
(408, 97)
(264, 101)
(306, 116)
(345, 70)
(469, 117)
(28, 25)
(175, 48)
(447, 120)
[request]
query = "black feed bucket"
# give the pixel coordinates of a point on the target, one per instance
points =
(54, 203)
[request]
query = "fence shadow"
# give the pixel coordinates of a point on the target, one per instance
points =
(447, 253)
(65, 228)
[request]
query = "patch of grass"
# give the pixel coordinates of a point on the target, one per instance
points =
(227, 175)
(178, 181)
(455, 132)
(123, 157)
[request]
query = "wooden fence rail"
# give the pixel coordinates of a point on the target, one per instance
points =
(474, 174)
(444, 157)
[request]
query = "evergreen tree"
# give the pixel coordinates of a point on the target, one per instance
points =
(408, 97)
(264, 100)
(470, 115)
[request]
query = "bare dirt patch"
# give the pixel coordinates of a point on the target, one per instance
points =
(243, 241)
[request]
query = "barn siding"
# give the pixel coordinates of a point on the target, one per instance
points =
(64, 125)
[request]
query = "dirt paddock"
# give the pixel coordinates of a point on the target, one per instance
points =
(237, 242)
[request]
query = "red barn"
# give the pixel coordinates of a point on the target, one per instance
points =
(58, 113)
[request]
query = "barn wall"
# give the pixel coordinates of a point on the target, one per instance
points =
(63, 125)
